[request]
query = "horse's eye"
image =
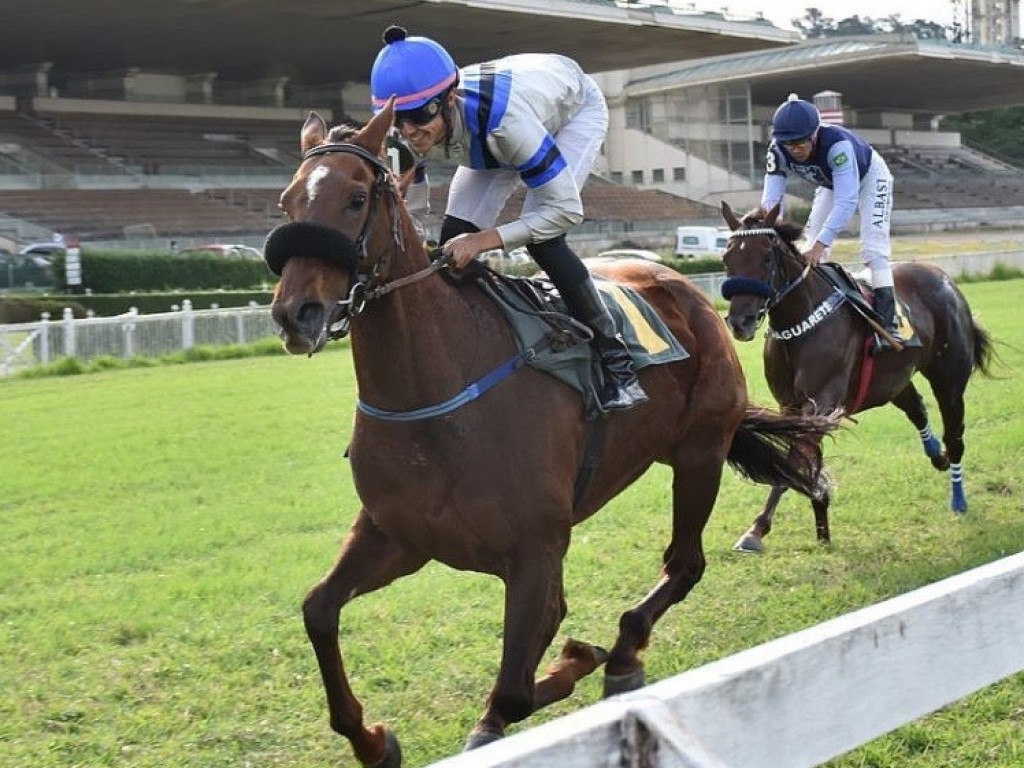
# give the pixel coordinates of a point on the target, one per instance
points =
(357, 201)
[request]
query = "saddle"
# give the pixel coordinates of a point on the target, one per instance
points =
(857, 290)
(560, 344)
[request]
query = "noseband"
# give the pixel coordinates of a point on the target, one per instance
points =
(334, 246)
(772, 292)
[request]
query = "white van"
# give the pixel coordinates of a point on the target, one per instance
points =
(700, 241)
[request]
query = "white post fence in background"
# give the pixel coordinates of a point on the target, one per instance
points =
(801, 700)
(24, 345)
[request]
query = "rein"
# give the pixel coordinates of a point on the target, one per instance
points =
(366, 288)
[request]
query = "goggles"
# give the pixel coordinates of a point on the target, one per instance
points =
(421, 115)
(797, 143)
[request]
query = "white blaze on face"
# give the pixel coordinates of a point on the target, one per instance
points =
(313, 182)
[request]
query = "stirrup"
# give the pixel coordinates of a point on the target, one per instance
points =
(621, 396)
(882, 344)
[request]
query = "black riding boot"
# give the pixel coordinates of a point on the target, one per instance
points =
(885, 308)
(621, 388)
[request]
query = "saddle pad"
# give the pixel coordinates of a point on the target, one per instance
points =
(648, 339)
(857, 287)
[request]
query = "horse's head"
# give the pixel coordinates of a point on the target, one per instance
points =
(758, 261)
(345, 227)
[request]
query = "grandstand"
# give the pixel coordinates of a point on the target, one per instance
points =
(92, 153)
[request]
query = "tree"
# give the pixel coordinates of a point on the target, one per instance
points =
(816, 25)
(996, 132)
(813, 24)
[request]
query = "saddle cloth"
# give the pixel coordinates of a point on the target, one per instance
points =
(537, 315)
(857, 289)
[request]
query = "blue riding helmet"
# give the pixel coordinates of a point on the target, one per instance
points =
(412, 69)
(795, 120)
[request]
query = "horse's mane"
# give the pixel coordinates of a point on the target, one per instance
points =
(789, 231)
(342, 133)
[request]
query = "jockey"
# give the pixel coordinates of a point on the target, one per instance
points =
(849, 175)
(535, 118)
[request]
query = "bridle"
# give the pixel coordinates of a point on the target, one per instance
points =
(334, 246)
(776, 289)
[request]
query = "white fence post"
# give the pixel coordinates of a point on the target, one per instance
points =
(69, 332)
(128, 333)
(188, 327)
(44, 338)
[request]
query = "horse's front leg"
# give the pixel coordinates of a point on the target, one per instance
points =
(762, 525)
(368, 560)
(751, 541)
(534, 608)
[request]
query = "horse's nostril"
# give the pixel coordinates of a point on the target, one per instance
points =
(310, 316)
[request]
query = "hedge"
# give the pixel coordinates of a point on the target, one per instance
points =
(117, 271)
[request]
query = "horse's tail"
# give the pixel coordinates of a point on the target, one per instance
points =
(984, 353)
(781, 449)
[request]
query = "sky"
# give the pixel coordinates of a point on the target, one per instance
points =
(781, 12)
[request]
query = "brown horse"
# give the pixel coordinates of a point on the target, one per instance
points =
(817, 354)
(486, 483)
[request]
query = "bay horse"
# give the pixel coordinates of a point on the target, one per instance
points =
(484, 480)
(817, 349)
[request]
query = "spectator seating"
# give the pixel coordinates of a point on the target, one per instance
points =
(105, 214)
(174, 145)
(957, 177)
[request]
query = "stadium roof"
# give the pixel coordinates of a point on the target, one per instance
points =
(333, 41)
(879, 72)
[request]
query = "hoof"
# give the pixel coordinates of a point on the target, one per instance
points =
(392, 752)
(749, 544)
(480, 738)
(940, 462)
(631, 681)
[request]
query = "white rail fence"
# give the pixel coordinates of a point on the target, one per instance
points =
(801, 700)
(129, 335)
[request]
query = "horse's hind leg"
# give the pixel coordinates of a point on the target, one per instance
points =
(949, 393)
(368, 560)
(697, 474)
(910, 402)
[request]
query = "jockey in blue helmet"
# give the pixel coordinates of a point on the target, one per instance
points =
(795, 120)
(508, 121)
(418, 72)
(849, 175)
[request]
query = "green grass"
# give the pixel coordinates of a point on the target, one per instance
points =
(160, 526)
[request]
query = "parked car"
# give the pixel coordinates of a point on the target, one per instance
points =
(227, 250)
(498, 257)
(629, 253)
(45, 250)
(25, 271)
(701, 241)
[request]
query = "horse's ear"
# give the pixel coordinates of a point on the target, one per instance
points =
(405, 179)
(772, 215)
(376, 131)
(314, 131)
(730, 217)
